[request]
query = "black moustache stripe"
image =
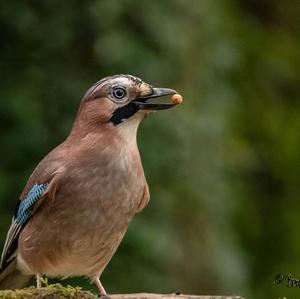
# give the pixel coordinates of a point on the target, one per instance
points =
(123, 113)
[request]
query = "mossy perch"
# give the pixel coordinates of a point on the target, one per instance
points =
(54, 291)
(57, 291)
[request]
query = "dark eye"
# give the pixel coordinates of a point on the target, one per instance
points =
(119, 93)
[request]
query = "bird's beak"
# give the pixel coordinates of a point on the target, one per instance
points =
(142, 102)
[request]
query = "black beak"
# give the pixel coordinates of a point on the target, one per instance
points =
(142, 103)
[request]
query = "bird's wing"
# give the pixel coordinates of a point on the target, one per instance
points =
(23, 213)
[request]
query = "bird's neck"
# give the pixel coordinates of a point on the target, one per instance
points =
(110, 145)
(90, 121)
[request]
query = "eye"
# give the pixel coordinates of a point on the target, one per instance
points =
(119, 93)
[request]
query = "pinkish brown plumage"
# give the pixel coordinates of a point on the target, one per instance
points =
(95, 184)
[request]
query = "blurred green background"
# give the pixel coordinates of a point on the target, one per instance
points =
(223, 168)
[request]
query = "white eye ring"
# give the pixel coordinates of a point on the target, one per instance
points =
(118, 93)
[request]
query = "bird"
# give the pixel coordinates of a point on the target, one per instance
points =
(78, 202)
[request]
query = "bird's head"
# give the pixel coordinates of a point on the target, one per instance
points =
(117, 99)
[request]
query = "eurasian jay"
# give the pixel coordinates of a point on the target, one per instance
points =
(80, 199)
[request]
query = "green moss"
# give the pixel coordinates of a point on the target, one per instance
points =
(55, 291)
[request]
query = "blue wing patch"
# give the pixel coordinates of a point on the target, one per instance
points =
(23, 212)
(22, 215)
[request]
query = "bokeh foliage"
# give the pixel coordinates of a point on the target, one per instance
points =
(223, 168)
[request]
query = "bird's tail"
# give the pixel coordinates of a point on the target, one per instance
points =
(11, 278)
